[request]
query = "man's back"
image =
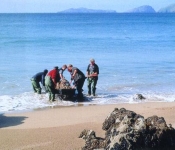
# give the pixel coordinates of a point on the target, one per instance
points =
(38, 76)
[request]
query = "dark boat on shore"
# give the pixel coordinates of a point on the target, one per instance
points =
(64, 90)
(66, 94)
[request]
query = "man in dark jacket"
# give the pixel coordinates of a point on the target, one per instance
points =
(78, 78)
(92, 76)
(36, 79)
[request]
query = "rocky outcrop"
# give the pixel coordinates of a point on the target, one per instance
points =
(139, 97)
(92, 142)
(126, 130)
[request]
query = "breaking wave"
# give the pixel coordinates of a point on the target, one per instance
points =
(30, 101)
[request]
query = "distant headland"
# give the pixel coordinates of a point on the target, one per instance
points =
(85, 10)
(168, 9)
(141, 9)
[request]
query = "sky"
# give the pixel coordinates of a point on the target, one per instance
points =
(52, 6)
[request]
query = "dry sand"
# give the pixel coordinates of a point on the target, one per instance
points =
(59, 128)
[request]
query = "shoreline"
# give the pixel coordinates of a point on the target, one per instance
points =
(34, 101)
(59, 128)
(80, 104)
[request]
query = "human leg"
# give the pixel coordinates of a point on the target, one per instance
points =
(50, 88)
(80, 84)
(36, 86)
(89, 81)
(94, 83)
(33, 87)
(52, 93)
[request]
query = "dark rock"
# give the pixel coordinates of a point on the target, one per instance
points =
(139, 97)
(92, 142)
(126, 130)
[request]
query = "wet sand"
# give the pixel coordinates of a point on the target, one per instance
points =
(59, 128)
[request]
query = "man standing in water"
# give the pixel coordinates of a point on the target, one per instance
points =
(36, 79)
(92, 76)
(50, 81)
(78, 78)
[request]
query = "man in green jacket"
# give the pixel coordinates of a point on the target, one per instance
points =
(92, 77)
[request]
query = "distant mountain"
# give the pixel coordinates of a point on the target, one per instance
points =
(85, 10)
(142, 9)
(168, 9)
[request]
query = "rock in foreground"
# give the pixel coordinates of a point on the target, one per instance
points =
(126, 130)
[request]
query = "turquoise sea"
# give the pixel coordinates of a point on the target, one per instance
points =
(135, 54)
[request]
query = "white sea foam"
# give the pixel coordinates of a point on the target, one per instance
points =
(30, 101)
(27, 101)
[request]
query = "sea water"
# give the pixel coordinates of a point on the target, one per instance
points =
(135, 54)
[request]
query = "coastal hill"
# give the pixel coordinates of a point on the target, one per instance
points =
(85, 10)
(168, 9)
(142, 9)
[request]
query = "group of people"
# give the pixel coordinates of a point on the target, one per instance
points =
(51, 78)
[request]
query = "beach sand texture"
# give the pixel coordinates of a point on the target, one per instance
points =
(59, 128)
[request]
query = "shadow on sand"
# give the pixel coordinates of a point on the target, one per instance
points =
(8, 121)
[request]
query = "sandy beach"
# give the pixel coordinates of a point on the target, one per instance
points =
(59, 128)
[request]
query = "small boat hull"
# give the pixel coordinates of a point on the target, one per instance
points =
(65, 94)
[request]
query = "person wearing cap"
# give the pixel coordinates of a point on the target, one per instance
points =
(78, 77)
(92, 77)
(36, 79)
(50, 81)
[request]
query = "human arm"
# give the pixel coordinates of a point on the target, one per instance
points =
(73, 74)
(93, 74)
(61, 74)
(87, 72)
(54, 77)
(43, 79)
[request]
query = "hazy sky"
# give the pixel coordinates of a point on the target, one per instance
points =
(19, 6)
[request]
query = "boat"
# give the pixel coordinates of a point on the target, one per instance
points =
(64, 90)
